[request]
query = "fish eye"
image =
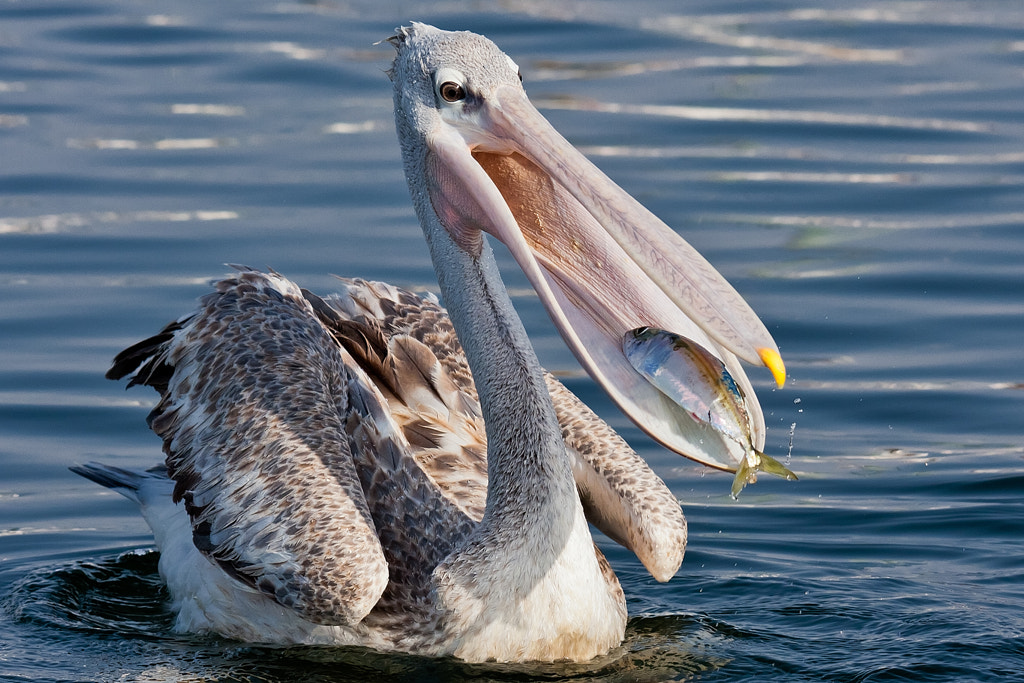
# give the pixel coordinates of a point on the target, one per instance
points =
(451, 91)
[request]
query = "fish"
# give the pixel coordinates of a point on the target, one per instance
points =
(698, 381)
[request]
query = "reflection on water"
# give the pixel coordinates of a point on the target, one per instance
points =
(767, 115)
(74, 222)
(855, 171)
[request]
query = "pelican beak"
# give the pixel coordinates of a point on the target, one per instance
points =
(601, 263)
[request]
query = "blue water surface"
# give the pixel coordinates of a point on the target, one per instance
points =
(856, 170)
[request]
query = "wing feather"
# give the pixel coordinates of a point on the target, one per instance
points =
(253, 426)
(418, 366)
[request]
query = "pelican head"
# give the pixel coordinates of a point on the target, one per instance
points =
(481, 159)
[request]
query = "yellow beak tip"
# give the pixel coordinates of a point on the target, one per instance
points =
(773, 361)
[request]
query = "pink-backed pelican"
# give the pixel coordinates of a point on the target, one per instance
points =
(371, 469)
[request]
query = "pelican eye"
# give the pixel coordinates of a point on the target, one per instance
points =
(451, 91)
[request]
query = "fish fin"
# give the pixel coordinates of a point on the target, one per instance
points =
(770, 465)
(747, 473)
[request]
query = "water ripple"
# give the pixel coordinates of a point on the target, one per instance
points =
(830, 118)
(123, 596)
(700, 29)
(72, 222)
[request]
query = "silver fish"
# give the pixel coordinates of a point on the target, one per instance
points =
(699, 382)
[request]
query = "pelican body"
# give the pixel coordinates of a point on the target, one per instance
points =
(372, 469)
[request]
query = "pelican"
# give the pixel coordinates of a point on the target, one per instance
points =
(371, 469)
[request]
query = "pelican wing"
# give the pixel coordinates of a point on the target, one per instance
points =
(252, 418)
(407, 348)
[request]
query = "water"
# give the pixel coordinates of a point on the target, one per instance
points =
(855, 170)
